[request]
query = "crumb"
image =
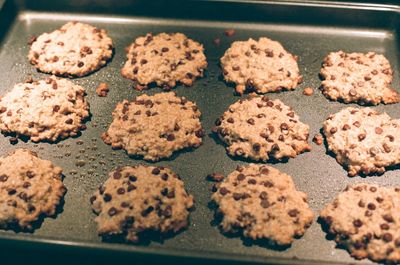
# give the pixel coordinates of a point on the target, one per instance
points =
(253, 94)
(29, 79)
(102, 90)
(31, 40)
(308, 91)
(318, 139)
(215, 177)
(217, 41)
(230, 32)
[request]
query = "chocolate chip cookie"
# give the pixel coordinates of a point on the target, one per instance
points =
(164, 59)
(260, 65)
(142, 198)
(76, 49)
(364, 78)
(363, 140)
(155, 126)
(260, 129)
(262, 203)
(30, 187)
(365, 219)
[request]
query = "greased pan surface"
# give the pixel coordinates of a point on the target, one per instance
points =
(309, 30)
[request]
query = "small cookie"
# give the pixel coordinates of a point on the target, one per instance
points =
(137, 199)
(164, 59)
(260, 129)
(364, 78)
(171, 123)
(263, 66)
(264, 203)
(363, 140)
(30, 187)
(76, 49)
(365, 219)
(49, 109)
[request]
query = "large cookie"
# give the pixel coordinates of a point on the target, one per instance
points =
(365, 219)
(263, 203)
(155, 126)
(76, 49)
(137, 199)
(164, 59)
(29, 188)
(260, 129)
(49, 109)
(364, 78)
(363, 140)
(262, 66)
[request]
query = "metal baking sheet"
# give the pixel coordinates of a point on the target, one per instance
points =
(308, 29)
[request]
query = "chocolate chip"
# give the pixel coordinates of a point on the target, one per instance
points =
(361, 136)
(131, 187)
(373, 189)
(120, 191)
(385, 226)
(293, 213)
(387, 237)
(252, 181)
(391, 138)
(230, 120)
(199, 133)
(284, 126)
(26, 184)
(80, 64)
(379, 199)
(236, 68)
(12, 192)
(155, 171)
(117, 174)
(164, 49)
(251, 121)
(107, 197)
(240, 177)
(352, 92)
(171, 194)
(112, 211)
(371, 206)
(333, 130)
(256, 147)
(263, 195)
(361, 204)
(265, 203)
(143, 61)
(386, 147)
(3, 178)
(164, 176)
(92, 199)
(69, 121)
(388, 218)
(357, 124)
(378, 130)
(132, 178)
(345, 127)
(170, 137)
(357, 223)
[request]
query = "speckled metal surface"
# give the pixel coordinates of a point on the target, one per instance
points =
(86, 159)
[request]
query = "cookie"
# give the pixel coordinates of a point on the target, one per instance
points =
(164, 59)
(261, 129)
(171, 123)
(363, 140)
(365, 219)
(76, 49)
(137, 199)
(364, 78)
(30, 188)
(261, 66)
(262, 203)
(49, 109)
